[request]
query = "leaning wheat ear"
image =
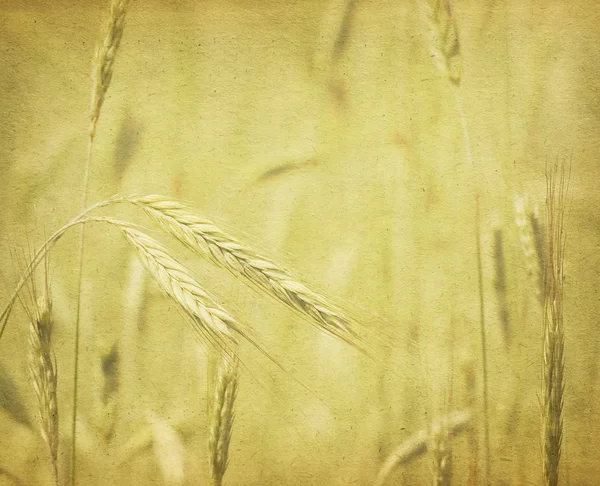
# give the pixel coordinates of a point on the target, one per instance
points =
(42, 366)
(210, 320)
(203, 237)
(419, 443)
(221, 415)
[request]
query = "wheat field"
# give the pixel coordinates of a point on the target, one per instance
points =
(335, 242)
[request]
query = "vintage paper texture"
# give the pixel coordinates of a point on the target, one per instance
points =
(365, 146)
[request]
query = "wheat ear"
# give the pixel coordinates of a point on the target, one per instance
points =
(529, 232)
(210, 319)
(445, 46)
(206, 239)
(420, 442)
(42, 367)
(105, 59)
(553, 353)
(221, 415)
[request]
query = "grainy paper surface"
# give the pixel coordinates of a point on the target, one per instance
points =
(334, 138)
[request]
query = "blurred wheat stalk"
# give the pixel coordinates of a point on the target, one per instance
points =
(445, 50)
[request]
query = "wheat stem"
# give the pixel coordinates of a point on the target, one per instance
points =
(446, 52)
(41, 253)
(482, 328)
(102, 75)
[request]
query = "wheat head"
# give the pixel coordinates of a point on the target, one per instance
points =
(42, 367)
(105, 59)
(222, 416)
(210, 319)
(206, 239)
(554, 341)
(445, 46)
(420, 442)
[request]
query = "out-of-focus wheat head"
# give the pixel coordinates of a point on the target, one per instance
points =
(42, 367)
(445, 46)
(110, 373)
(105, 59)
(554, 340)
(419, 443)
(221, 416)
(530, 238)
(441, 450)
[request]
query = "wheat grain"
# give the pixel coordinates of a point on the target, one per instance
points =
(203, 237)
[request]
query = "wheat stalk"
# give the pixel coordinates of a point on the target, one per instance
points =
(206, 239)
(446, 52)
(221, 416)
(500, 285)
(102, 75)
(420, 442)
(553, 352)
(42, 367)
(41, 253)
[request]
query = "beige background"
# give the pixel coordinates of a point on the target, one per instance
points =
(335, 147)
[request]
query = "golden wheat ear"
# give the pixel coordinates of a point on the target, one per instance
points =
(207, 240)
(43, 370)
(210, 320)
(105, 59)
